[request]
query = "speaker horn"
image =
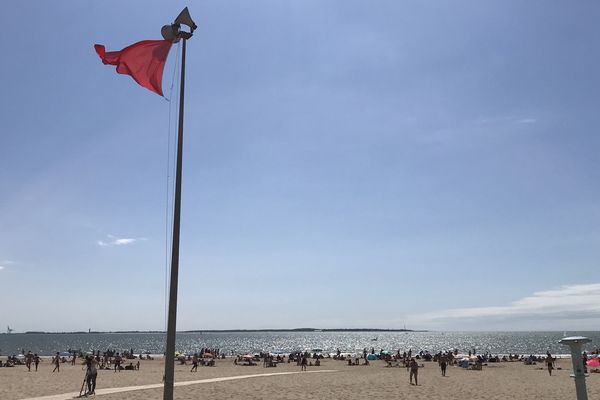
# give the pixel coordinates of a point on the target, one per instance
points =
(185, 19)
(170, 33)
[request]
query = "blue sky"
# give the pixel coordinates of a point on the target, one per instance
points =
(347, 164)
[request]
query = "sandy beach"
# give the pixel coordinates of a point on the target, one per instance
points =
(333, 380)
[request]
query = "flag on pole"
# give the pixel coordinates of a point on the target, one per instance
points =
(144, 61)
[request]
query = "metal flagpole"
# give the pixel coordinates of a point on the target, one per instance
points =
(172, 316)
(172, 32)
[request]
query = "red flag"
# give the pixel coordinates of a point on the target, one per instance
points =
(144, 61)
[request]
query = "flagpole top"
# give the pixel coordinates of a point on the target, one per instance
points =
(173, 31)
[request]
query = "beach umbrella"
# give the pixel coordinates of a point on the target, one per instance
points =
(594, 362)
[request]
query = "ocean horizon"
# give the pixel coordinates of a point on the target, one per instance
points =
(285, 341)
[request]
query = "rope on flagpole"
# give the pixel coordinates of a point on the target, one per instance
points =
(169, 185)
(175, 70)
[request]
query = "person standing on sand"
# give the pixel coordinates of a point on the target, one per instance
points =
(36, 361)
(28, 360)
(57, 362)
(303, 363)
(443, 365)
(414, 371)
(549, 363)
(194, 363)
(91, 374)
(117, 362)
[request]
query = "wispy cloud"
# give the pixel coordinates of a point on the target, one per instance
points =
(5, 263)
(527, 121)
(566, 302)
(506, 119)
(116, 241)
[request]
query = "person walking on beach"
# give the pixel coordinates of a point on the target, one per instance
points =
(549, 363)
(36, 361)
(414, 371)
(28, 360)
(443, 365)
(117, 362)
(194, 363)
(57, 362)
(303, 363)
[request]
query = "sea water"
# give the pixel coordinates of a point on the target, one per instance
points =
(501, 343)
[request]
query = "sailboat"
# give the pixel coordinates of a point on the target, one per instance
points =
(8, 329)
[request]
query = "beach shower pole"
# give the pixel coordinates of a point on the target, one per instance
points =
(173, 32)
(575, 344)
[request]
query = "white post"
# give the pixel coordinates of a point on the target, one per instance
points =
(575, 343)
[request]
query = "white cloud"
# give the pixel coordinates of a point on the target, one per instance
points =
(115, 241)
(567, 302)
(504, 120)
(527, 121)
(4, 263)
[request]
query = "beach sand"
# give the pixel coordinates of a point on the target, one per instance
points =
(507, 380)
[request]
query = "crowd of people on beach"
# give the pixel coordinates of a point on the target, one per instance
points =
(206, 357)
(114, 360)
(407, 359)
(108, 360)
